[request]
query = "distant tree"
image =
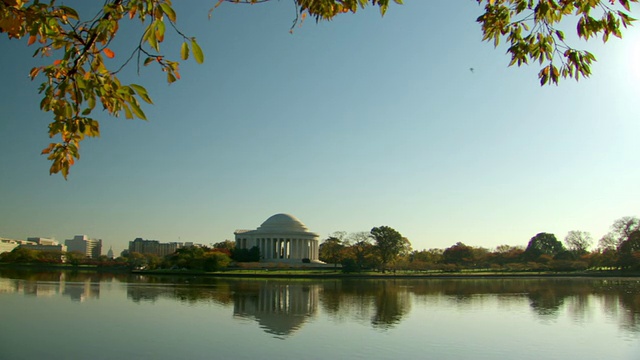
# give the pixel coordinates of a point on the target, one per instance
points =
(578, 241)
(359, 252)
(74, 258)
(343, 236)
(361, 247)
(481, 257)
(604, 258)
(136, 261)
(331, 251)
(567, 255)
(458, 254)
(406, 248)
(198, 258)
(19, 255)
(215, 261)
(186, 257)
(543, 244)
(506, 254)
(389, 244)
(621, 229)
(152, 261)
(246, 255)
(607, 242)
(624, 227)
(629, 251)
(349, 265)
(431, 256)
(227, 245)
(50, 257)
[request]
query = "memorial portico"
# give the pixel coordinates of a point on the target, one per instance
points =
(281, 238)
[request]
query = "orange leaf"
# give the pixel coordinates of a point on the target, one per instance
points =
(110, 54)
(32, 39)
(34, 72)
(57, 62)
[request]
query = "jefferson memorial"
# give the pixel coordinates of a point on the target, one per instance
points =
(281, 238)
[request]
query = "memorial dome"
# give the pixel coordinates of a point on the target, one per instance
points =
(283, 222)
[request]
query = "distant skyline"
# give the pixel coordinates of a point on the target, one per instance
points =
(350, 124)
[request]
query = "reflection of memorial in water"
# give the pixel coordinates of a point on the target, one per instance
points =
(280, 308)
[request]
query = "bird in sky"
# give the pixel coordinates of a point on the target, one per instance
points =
(472, 70)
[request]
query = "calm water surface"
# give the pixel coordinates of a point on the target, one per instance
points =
(97, 316)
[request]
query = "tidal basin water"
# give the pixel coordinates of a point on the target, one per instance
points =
(99, 316)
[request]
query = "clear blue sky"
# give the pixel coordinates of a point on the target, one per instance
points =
(358, 122)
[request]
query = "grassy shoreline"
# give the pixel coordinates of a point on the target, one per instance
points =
(390, 275)
(326, 273)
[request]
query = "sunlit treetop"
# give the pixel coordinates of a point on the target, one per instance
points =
(76, 78)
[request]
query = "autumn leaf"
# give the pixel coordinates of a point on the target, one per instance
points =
(110, 54)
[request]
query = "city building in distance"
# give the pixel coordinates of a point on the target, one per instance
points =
(7, 245)
(43, 244)
(154, 247)
(91, 248)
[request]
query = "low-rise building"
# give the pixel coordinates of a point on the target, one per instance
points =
(43, 241)
(38, 247)
(7, 245)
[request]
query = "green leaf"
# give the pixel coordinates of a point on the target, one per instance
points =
(127, 112)
(142, 92)
(197, 51)
(69, 12)
(150, 37)
(137, 111)
(169, 11)
(184, 51)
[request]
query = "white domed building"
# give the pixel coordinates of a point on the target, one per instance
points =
(281, 238)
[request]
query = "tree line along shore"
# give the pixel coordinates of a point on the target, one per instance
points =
(381, 251)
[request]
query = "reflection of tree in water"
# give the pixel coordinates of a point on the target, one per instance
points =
(280, 307)
(381, 302)
(391, 303)
(622, 300)
(186, 290)
(347, 299)
(545, 302)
